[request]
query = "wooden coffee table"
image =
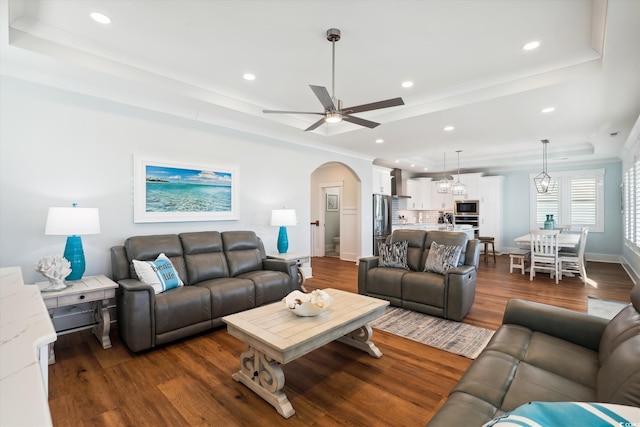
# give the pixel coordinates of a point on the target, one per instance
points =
(275, 335)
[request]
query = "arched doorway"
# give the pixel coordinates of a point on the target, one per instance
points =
(335, 212)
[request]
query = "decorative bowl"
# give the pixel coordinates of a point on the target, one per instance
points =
(307, 305)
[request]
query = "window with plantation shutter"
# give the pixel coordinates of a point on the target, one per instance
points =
(631, 200)
(575, 201)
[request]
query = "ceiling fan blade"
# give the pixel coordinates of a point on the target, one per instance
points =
(359, 121)
(374, 106)
(315, 125)
(323, 96)
(291, 112)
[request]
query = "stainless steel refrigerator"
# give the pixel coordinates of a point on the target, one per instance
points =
(381, 219)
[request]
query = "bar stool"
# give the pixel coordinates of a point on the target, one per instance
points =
(488, 241)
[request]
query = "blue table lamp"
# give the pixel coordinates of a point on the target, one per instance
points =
(281, 218)
(73, 222)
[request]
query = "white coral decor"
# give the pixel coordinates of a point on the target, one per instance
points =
(55, 268)
(310, 304)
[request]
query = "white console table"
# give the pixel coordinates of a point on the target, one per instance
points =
(25, 334)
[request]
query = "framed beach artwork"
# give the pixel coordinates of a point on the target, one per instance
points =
(171, 192)
(332, 202)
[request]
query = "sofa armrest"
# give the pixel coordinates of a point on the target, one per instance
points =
(460, 283)
(364, 265)
(290, 267)
(136, 314)
(119, 263)
(569, 325)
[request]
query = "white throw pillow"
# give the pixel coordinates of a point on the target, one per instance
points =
(160, 274)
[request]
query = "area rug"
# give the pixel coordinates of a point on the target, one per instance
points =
(454, 337)
(604, 307)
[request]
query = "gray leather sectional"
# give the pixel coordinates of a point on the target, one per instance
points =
(223, 272)
(448, 295)
(549, 354)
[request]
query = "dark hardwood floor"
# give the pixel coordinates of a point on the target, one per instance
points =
(189, 382)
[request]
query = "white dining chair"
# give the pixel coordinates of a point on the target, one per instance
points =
(573, 262)
(544, 253)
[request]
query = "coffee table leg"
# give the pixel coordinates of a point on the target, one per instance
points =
(264, 376)
(361, 339)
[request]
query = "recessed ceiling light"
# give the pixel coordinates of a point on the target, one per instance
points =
(531, 45)
(379, 141)
(413, 166)
(397, 161)
(548, 110)
(100, 18)
(449, 128)
(426, 169)
(249, 76)
(407, 84)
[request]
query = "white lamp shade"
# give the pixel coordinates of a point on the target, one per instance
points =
(283, 217)
(72, 221)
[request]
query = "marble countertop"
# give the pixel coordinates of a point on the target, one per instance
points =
(25, 327)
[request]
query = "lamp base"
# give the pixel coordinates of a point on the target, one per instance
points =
(74, 253)
(283, 240)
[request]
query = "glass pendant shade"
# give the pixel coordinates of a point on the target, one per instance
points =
(458, 189)
(543, 181)
(443, 185)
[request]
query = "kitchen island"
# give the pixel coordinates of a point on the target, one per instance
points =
(470, 231)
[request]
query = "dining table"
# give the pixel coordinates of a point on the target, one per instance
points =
(565, 240)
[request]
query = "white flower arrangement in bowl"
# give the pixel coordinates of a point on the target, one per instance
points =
(55, 268)
(307, 305)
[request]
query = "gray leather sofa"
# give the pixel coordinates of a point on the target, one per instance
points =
(223, 273)
(448, 295)
(549, 354)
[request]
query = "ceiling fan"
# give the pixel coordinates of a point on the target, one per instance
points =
(333, 111)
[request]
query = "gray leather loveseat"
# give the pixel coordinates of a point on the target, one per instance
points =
(549, 354)
(223, 273)
(449, 295)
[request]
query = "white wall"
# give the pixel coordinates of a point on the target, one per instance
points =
(58, 147)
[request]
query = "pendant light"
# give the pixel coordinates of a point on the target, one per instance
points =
(442, 186)
(543, 181)
(458, 189)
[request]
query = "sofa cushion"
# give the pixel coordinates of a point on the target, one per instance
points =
(181, 307)
(204, 256)
(243, 251)
(415, 246)
(229, 295)
(385, 281)
(425, 288)
(442, 258)
(393, 254)
(160, 274)
(269, 285)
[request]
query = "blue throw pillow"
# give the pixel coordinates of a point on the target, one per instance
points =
(160, 274)
(562, 414)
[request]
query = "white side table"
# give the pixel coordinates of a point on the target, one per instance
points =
(94, 289)
(303, 262)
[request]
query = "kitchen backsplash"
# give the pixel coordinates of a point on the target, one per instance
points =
(412, 217)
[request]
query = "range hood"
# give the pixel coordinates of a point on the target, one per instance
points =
(398, 185)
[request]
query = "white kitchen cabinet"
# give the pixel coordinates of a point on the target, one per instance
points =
(441, 201)
(381, 180)
(491, 190)
(472, 181)
(412, 190)
(424, 190)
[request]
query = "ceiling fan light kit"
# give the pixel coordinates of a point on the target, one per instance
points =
(543, 181)
(333, 111)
